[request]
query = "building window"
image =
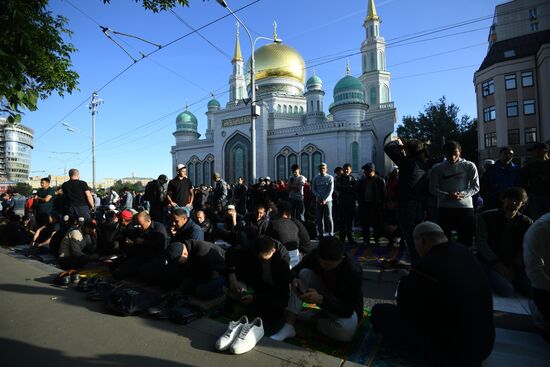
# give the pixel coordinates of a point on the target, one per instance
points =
(527, 79)
(529, 107)
(198, 173)
(512, 109)
(355, 156)
(301, 109)
(533, 13)
(510, 81)
(509, 53)
(530, 135)
(489, 114)
(534, 27)
(311, 104)
(488, 88)
(490, 140)
(292, 160)
(513, 136)
(281, 167)
(372, 62)
(191, 171)
(304, 163)
(316, 159)
(373, 96)
(318, 106)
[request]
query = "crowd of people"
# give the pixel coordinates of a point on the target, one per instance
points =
(466, 234)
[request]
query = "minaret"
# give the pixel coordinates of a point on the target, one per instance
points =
(375, 78)
(314, 99)
(237, 85)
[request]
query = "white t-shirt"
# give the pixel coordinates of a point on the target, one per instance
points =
(296, 187)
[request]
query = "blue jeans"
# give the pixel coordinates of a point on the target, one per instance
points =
(323, 214)
(80, 211)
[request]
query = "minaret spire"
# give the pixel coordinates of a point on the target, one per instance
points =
(371, 14)
(238, 55)
(347, 68)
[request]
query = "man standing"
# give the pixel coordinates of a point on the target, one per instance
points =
(371, 197)
(500, 176)
(295, 189)
(240, 194)
(444, 313)
(155, 194)
(180, 189)
(220, 189)
(322, 187)
(43, 202)
(536, 181)
(346, 186)
(454, 181)
(127, 199)
(77, 196)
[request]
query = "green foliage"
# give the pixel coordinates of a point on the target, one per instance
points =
(35, 57)
(158, 5)
(23, 188)
(118, 186)
(439, 123)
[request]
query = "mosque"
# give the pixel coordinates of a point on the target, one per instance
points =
(291, 126)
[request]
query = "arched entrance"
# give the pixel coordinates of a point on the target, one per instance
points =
(237, 158)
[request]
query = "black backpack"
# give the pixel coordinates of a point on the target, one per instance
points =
(131, 301)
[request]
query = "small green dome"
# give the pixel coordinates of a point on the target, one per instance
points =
(313, 81)
(348, 83)
(214, 103)
(186, 121)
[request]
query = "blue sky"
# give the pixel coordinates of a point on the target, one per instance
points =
(136, 121)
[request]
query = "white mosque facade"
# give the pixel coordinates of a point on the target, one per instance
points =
(291, 126)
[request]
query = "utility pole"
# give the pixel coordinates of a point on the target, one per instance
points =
(96, 101)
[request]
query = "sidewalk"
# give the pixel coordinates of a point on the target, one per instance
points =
(44, 324)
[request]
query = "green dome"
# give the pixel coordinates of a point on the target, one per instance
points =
(186, 121)
(348, 83)
(214, 103)
(314, 80)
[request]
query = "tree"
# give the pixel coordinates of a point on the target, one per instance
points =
(439, 123)
(23, 188)
(158, 5)
(119, 185)
(35, 58)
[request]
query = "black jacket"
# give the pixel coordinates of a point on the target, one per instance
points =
(154, 242)
(204, 259)
(447, 296)
(347, 297)
(346, 187)
(244, 263)
(291, 233)
(378, 190)
(413, 175)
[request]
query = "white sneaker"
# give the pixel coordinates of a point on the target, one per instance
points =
(249, 336)
(233, 330)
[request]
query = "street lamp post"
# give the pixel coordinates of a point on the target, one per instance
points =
(96, 101)
(254, 110)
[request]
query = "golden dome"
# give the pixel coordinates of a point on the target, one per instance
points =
(276, 60)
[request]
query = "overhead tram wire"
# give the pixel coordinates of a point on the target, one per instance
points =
(144, 56)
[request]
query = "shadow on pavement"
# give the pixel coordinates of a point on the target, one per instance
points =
(13, 350)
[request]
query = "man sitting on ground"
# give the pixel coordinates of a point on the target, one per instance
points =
(499, 241)
(78, 246)
(197, 267)
(147, 242)
(255, 225)
(330, 279)
(205, 225)
(264, 269)
(444, 308)
(183, 228)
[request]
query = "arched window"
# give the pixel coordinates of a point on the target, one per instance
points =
(373, 95)
(281, 167)
(318, 106)
(304, 163)
(372, 61)
(372, 31)
(311, 104)
(295, 109)
(364, 62)
(284, 108)
(198, 173)
(292, 160)
(206, 173)
(301, 109)
(316, 159)
(279, 108)
(355, 156)
(191, 172)
(237, 161)
(385, 94)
